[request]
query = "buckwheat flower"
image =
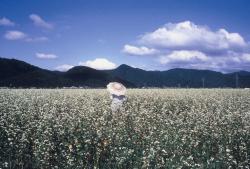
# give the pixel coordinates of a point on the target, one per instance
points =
(70, 148)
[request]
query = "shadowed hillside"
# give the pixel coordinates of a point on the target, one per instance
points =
(15, 73)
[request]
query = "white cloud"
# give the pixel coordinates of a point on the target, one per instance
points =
(46, 56)
(99, 63)
(64, 67)
(133, 50)
(187, 35)
(6, 22)
(18, 35)
(187, 45)
(38, 21)
(232, 61)
(183, 56)
(15, 35)
(246, 57)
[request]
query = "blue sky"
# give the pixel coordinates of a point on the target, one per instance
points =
(149, 34)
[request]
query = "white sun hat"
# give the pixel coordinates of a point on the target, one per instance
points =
(116, 88)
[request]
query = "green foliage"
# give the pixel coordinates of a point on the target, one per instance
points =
(156, 128)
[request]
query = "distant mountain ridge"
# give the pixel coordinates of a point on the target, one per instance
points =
(179, 77)
(16, 73)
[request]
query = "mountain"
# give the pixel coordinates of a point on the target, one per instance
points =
(181, 77)
(15, 73)
(86, 76)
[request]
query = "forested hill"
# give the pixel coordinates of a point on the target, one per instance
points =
(16, 73)
(182, 78)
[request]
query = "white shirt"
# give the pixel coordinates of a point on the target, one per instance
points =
(117, 101)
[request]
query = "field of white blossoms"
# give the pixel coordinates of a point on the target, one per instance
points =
(156, 128)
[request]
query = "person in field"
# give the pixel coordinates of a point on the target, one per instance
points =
(117, 91)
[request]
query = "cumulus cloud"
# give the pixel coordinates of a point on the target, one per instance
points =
(6, 22)
(46, 56)
(133, 50)
(183, 56)
(38, 21)
(187, 35)
(15, 35)
(188, 45)
(231, 61)
(64, 67)
(99, 63)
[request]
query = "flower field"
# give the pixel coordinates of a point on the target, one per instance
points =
(155, 128)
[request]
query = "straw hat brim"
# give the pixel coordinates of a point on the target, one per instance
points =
(113, 90)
